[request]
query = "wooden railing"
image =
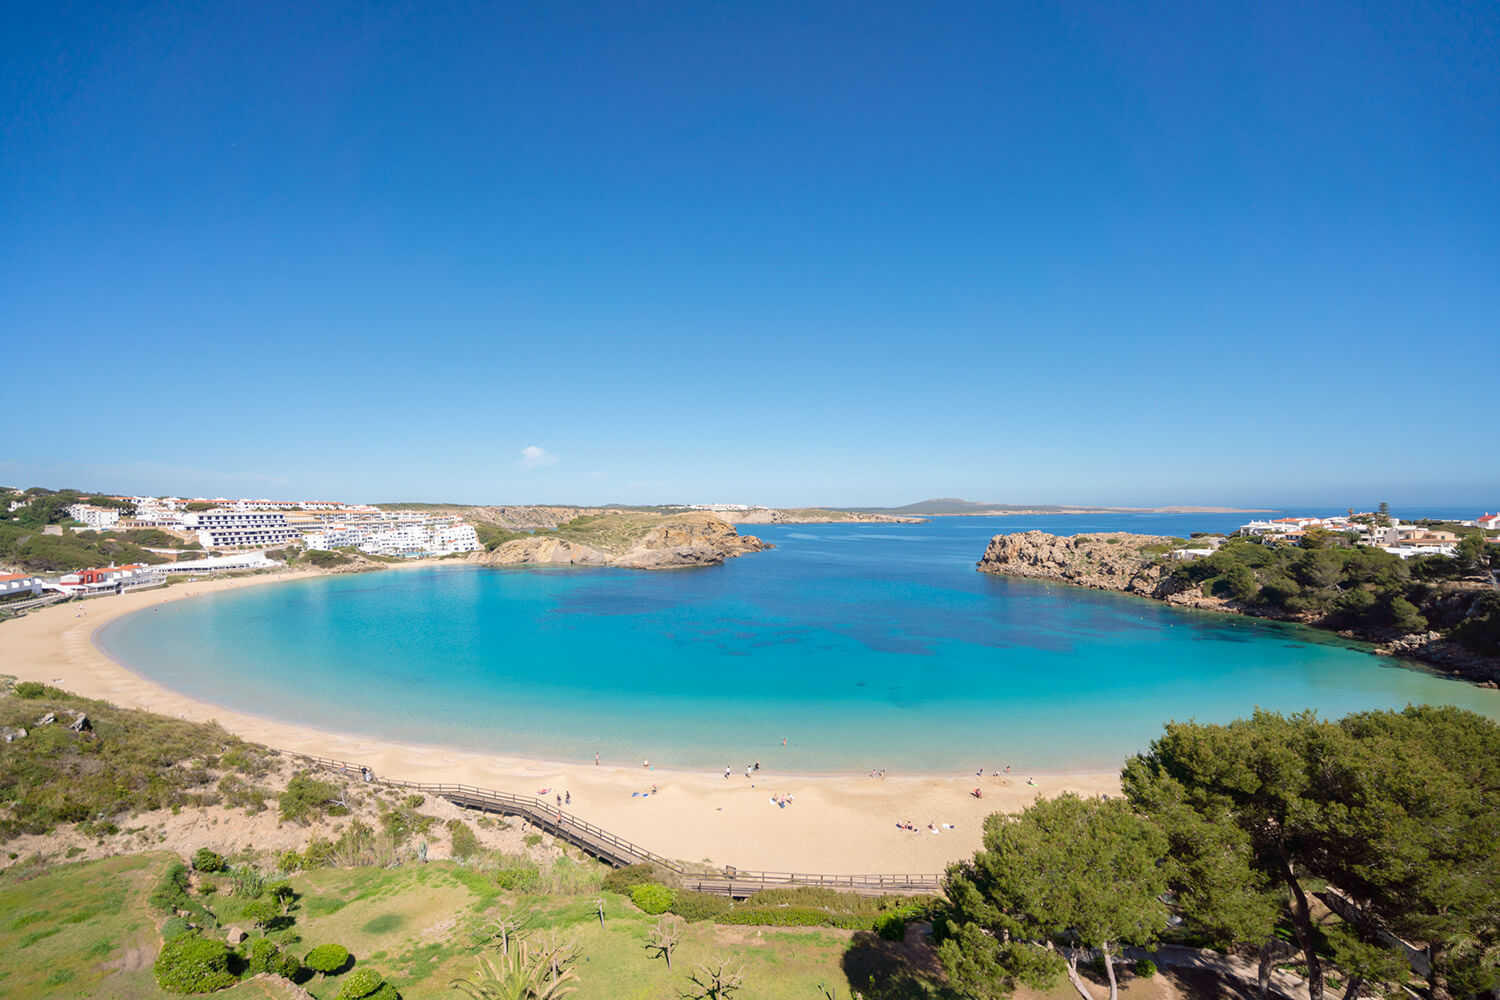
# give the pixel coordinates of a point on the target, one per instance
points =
(616, 850)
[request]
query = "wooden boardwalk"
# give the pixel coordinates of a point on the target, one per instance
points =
(727, 880)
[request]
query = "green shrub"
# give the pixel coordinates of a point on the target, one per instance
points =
(30, 690)
(193, 964)
(170, 893)
(175, 927)
(652, 898)
(306, 798)
(518, 874)
(797, 916)
(289, 861)
(208, 861)
(465, 843)
(891, 926)
(1145, 968)
(359, 984)
(694, 906)
(622, 880)
(386, 992)
(248, 883)
(327, 958)
(319, 853)
(264, 956)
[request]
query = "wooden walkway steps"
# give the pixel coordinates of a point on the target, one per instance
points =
(727, 880)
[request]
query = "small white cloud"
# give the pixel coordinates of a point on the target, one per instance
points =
(533, 457)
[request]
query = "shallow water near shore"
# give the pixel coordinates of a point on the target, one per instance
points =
(864, 646)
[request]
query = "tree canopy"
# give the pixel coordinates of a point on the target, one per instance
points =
(1063, 875)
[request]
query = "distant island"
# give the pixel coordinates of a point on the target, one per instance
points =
(1442, 609)
(952, 507)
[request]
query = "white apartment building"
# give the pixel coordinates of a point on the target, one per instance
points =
(94, 517)
(437, 537)
(240, 529)
(12, 584)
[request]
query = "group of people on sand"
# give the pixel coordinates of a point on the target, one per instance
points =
(750, 770)
(911, 827)
(782, 801)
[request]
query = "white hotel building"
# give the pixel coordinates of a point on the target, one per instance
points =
(240, 529)
(94, 517)
(410, 540)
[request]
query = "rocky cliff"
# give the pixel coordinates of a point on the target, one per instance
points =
(1136, 564)
(1111, 561)
(634, 541)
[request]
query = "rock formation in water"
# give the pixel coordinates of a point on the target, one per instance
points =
(634, 541)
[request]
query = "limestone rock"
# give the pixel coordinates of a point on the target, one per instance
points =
(47, 719)
(234, 936)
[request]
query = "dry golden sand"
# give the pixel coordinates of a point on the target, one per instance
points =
(841, 824)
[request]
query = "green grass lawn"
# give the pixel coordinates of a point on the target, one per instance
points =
(85, 930)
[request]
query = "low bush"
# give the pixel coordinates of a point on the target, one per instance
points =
(289, 861)
(248, 883)
(891, 926)
(175, 927)
(319, 853)
(1145, 968)
(796, 916)
(465, 842)
(30, 690)
(192, 963)
(208, 861)
(327, 958)
(652, 898)
(264, 956)
(306, 798)
(622, 880)
(359, 984)
(694, 906)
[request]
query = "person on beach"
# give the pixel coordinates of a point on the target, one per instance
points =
(653, 789)
(757, 765)
(559, 801)
(596, 760)
(747, 770)
(726, 772)
(977, 793)
(567, 798)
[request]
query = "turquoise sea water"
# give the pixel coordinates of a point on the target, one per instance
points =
(863, 645)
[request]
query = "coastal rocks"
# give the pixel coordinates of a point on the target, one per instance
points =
(1136, 564)
(10, 735)
(1110, 561)
(541, 552)
(696, 542)
(1431, 647)
(674, 542)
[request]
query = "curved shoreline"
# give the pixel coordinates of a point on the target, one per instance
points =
(838, 822)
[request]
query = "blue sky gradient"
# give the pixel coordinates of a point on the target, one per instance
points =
(777, 253)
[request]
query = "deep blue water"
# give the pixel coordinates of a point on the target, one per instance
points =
(862, 645)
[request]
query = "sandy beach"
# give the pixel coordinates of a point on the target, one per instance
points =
(837, 824)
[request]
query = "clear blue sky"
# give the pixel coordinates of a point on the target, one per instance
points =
(761, 252)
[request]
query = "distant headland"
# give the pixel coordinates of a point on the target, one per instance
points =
(953, 507)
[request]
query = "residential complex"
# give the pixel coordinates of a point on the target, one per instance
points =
(94, 517)
(1381, 532)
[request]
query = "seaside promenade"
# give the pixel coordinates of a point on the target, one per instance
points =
(727, 880)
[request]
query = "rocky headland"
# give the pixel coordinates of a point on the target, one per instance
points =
(631, 540)
(1141, 565)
